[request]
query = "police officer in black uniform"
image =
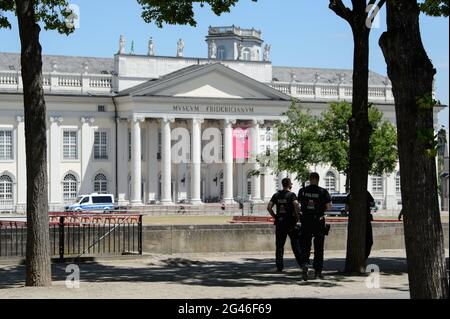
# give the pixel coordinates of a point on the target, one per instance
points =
(369, 233)
(286, 220)
(314, 202)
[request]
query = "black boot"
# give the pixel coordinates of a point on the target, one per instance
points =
(318, 274)
(304, 272)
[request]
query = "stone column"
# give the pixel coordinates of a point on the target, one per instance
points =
(87, 143)
(196, 161)
(228, 161)
(166, 161)
(256, 180)
(21, 164)
(390, 192)
(136, 162)
(55, 160)
(152, 162)
(122, 161)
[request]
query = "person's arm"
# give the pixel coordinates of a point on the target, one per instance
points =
(371, 200)
(270, 209)
(297, 211)
(400, 215)
(327, 201)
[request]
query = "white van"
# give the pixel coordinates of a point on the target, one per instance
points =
(92, 202)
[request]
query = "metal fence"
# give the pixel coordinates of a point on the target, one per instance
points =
(76, 235)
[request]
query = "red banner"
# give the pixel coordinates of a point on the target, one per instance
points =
(241, 143)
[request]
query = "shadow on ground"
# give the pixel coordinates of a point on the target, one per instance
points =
(250, 272)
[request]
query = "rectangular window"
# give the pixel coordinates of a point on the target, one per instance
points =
(101, 199)
(6, 145)
(100, 145)
(397, 184)
(377, 184)
(70, 145)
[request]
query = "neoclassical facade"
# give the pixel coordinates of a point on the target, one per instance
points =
(158, 130)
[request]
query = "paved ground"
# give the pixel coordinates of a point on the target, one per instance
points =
(212, 276)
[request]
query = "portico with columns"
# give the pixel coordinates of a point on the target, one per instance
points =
(154, 115)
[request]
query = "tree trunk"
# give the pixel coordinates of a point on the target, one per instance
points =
(359, 147)
(38, 264)
(411, 73)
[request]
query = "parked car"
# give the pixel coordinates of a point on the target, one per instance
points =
(338, 207)
(92, 202)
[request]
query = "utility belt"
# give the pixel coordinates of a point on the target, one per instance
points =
(285, 219)
(316, 222)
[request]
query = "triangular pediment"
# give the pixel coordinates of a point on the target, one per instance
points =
(207, 81)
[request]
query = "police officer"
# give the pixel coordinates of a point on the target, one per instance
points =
(314, 202)
(369, 233)
(286, 220)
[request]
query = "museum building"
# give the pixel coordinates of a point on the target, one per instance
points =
(159, 130)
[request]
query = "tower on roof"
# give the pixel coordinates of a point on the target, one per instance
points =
(234, 43)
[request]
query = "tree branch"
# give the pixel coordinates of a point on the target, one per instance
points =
(341, 10)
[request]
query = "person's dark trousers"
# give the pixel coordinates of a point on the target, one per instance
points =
(312, 229)
(283, 229)
(369, 236)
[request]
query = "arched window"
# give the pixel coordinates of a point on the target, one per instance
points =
(70, 185)
(397, 183)
(246, 54)
(221, 53)
(6, 190)
(330, 182)
(100, 184)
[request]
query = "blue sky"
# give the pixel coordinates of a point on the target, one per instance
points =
(302, 33)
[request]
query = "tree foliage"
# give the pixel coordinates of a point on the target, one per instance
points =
(334, 136)
(53, 14)
(435, 8)
(298, 142)
(305, 140)
(180, 11)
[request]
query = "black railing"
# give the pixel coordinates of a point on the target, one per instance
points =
(77, 235)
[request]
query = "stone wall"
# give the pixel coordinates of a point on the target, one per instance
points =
(254, 237)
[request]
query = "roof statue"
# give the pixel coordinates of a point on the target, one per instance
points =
(151, 47)
(267, 52)
(180, 48)
(122, 45)
(213, 50)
